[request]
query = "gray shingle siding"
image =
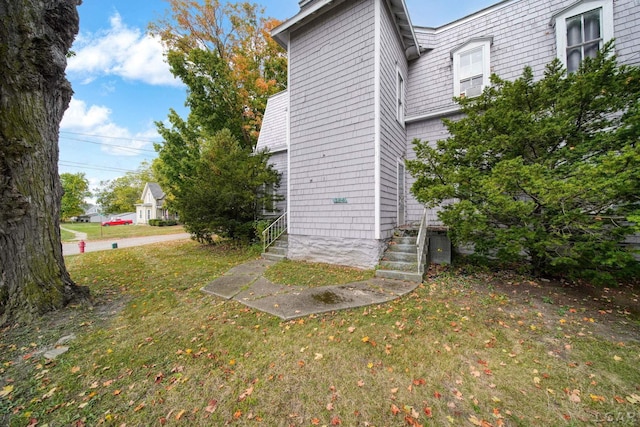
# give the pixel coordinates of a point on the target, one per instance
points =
(392, 133)
(522, 35)
(332, 123)
(338, 123)
(273, 134)
(279, 162)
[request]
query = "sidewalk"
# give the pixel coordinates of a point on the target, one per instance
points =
(103, 245)
(246, 284)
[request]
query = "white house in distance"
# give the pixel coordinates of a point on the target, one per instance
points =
(364, 82)
(152, 206)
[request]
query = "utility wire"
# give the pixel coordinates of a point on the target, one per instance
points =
(122, 147)
(109, 137)
(94, 167)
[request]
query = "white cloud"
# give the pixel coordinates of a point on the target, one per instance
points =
(121, 51)
(92, 125)
(78, 116)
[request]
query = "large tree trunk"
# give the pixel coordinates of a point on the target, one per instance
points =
(35, 37)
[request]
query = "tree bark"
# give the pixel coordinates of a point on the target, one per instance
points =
(35, 37)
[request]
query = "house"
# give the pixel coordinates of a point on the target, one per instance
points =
(364, 82)
(152, 206)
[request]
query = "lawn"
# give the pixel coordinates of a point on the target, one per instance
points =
(485, 349)
(95, 231)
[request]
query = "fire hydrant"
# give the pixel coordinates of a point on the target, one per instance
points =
(81, 245)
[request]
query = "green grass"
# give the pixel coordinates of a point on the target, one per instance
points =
(156, 351)
(66, 235)
(95, 231)
(308, 274)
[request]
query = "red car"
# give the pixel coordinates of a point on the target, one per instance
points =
(117, 221)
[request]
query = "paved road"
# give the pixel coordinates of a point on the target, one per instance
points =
(103, 245)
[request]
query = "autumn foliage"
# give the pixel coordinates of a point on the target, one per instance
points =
(227, 59)
(207, 165)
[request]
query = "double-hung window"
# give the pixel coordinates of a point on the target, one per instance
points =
(400, 97)
(582, 30)
(471, 67)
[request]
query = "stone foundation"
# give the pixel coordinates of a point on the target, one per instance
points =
(360, 253)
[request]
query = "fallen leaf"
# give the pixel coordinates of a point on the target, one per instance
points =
(634, 398)
(211, 408)
(318, 356)
(336, 421)
(428, 412)
(475, 421)
(139, 407)
(6, 390)
(180, 414)
(574, 396)
(49, 393)
(360, 383)
(617, 358)
(315, 421)
(246, 394)
(75, 369)
(394, 409)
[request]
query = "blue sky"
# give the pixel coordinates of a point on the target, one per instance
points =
(122, 85)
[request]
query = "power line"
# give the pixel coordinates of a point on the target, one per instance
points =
(109, 137)
(122, 147)
(94, 167)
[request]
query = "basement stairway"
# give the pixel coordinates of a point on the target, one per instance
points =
(400, 260)
(277, 251)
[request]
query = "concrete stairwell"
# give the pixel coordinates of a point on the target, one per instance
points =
(278, 249)
(400, 259)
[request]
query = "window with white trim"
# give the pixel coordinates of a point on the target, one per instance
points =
(268, 203)
(471, 67)
(582, 30)
(400, 100)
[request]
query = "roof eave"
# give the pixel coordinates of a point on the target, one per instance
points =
(398, 7)
(405, 28)
(281, 33)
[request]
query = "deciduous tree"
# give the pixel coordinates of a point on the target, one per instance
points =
(545, 172)
(230, 65)
(227, 59)
(75, 188)
(35, 37)
(120, 195)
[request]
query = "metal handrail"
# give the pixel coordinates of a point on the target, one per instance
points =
(273, 231)
(421, 243)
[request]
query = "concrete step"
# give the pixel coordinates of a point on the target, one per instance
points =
(399, 256)
(400, 275)
(402, 248)
(273, 257)
(411, 267)
(279, 244)
(404, 240)
(277, 250)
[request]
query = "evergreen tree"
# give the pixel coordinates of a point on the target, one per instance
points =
(545, 172)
